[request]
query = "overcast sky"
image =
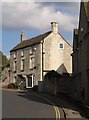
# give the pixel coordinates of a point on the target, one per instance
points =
(34, 18)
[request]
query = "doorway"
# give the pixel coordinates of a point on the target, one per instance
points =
(30, 81)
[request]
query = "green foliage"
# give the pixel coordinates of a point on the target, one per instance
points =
(3, 61)
(11, 86)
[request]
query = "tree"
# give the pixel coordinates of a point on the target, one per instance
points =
(3, 60)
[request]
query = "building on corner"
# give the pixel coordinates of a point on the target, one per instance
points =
(31, 59)
(81, 55)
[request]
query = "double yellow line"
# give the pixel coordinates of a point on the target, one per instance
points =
(54, 106)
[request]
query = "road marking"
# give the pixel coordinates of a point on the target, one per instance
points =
(54, 106)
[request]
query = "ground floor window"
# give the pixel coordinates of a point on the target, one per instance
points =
(14, 79)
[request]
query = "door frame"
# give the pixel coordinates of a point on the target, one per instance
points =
(32, 76)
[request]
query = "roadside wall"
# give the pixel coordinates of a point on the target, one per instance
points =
(58, 84)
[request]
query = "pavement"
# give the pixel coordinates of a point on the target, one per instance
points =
(81, 107)
(70, 107)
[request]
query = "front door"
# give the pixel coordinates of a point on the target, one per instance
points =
(29, 81)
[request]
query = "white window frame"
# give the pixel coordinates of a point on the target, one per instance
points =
(31, 50)
(22, 52)
(32, 76)
(15, 54)
(59, 45)
(14, 79)
(15, 62)
(31, 62)
(22, 64)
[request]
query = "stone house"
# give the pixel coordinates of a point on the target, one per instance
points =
(81, 55)
(31, 59)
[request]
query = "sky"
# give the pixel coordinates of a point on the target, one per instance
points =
(34, 18)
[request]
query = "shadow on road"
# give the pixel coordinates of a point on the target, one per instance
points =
(60, 101)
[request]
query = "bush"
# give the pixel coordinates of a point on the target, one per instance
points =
(11, 86)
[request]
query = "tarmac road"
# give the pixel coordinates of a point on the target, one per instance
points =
(17, 104)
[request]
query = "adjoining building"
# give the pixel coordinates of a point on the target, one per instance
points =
(81, 55)
(31, 59)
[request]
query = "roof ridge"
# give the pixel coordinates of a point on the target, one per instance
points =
(31, 41)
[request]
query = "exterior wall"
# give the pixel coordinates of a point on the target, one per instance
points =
(27, 70)
(82, 54)
(47, 56)
(58, 85)
(81, 78)
(55, 55)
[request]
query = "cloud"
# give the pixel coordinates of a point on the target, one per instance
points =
(27, 15)
(65, 6)
(43, 0)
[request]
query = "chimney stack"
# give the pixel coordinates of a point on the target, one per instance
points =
(23, 37)
(54, 27)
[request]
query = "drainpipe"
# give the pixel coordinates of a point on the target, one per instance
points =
(42, 61)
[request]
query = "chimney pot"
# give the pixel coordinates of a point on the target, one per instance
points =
(54, 27)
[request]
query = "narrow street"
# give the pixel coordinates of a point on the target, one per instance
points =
(25, 105)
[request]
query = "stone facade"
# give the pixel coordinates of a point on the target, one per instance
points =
(49, 51)
(81, 55)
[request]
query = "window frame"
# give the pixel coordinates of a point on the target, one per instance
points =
(15, 66)
(22, 64)
(59, 45)
(31, 61)
(22, 52)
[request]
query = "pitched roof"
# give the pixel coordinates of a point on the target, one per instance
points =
(31, 41)
(86, 6)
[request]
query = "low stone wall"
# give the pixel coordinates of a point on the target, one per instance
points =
(65, 85)
(56, 84)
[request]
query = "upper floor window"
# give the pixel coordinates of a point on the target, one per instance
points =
(15, 54)
(15, 66)
(31, 62)
(22, 52)
(61, 46)
(32, 49)
(22, 64)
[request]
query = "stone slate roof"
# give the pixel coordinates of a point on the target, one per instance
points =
(31, 41)
(86, 6)
(34, 41)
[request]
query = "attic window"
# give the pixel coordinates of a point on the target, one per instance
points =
(61, 46)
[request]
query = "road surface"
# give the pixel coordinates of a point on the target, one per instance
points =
(17, 104)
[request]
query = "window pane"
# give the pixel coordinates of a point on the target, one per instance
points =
(22, 64)
(61, 45)
(22, 52)
(32, 62)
